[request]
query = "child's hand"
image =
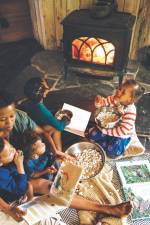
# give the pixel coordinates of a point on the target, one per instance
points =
(51, 169)
(18, 159)
(98, 123)
(16, 213)
(66, 120)
(98, 101)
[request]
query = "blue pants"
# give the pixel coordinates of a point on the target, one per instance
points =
(113, 146)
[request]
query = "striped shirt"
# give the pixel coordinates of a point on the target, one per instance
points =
(126, 126)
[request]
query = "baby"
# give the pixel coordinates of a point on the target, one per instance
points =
(13, 180)
(114, 140)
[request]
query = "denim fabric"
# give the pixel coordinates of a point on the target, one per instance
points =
(113, 146)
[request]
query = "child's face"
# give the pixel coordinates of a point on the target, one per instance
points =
(7, 118)
(7, 154)
(125, 95)
(38, 149)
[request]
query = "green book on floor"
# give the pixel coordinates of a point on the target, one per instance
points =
(135, 179)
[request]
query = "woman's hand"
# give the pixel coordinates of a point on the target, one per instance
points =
(64, 115)
(16, 213)
(66, 120)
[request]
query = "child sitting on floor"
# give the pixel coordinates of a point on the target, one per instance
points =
(13, 180)
(38, 162)
(114, 140)
(36, 90)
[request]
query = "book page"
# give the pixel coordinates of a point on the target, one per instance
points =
(79, 119)
(65, 182)
(140, 198)
(39, 209)
(135, 178)
(132, 172)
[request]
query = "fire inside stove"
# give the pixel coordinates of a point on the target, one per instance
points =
(93, 50)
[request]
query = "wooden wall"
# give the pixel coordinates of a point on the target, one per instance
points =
(48, 14)
(18, 22)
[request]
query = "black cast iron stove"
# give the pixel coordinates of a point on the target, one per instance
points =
(97, 46)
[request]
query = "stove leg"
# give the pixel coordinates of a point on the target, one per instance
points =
(120, 76)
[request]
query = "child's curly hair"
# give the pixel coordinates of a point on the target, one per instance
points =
(138, 90)
(28, 139)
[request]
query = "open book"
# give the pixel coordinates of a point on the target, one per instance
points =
(60, 195)
(65, 183)
(135, 178)
(79, 120)
(40, 209)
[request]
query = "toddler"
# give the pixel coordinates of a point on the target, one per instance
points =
(13, 180)
(114, 140)
(38, 161)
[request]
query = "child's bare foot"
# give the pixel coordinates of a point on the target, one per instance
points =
(120, 210)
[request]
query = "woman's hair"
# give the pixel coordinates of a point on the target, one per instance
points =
(34, 89)
(138, 90)
(2, 143)
(28, 139)
(6, 98)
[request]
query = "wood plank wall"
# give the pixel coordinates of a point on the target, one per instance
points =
(48, 14)
(17, 16)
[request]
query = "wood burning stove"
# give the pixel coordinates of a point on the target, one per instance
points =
(97, 46)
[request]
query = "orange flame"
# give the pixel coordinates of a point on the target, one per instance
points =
(94, 50)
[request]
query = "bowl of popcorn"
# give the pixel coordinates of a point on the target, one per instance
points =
(88, 155)
(107, 117)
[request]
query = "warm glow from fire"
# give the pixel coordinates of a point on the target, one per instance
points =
(94, 50)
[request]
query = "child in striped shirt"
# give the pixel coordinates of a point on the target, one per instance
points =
(114, 140)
